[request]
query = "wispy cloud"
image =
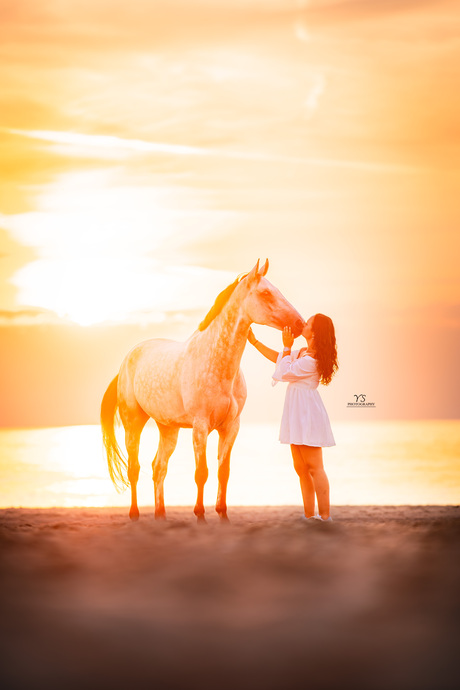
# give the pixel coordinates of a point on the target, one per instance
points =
(361, 10)
(84, 141)
(27, 317)
(80, 143)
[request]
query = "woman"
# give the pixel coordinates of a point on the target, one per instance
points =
(305, 424)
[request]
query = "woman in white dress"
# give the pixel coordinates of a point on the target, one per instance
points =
(305, 424)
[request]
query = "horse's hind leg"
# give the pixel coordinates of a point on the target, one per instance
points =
(226, 440)
(132, 439)
(168, 441)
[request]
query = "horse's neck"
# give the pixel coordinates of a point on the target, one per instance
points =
(225, 339)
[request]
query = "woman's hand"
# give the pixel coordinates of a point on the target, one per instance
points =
(251, 337)
(267, 352)
(288, 338)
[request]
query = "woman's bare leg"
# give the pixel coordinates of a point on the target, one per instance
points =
(306, 482)
(313, 459)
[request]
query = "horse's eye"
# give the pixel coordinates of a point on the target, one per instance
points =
(266, 293)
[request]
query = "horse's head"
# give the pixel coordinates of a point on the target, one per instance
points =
(266, 305)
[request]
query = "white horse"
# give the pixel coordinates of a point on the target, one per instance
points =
(194, 384)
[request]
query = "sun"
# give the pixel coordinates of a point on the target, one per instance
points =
(94, 242)
(88, 291)
(98, 240)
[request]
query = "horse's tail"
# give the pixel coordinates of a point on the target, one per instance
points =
(118, 466)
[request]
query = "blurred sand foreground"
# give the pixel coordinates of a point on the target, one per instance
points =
(370, 601)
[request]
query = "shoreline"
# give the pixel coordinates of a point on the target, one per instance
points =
(339, 513)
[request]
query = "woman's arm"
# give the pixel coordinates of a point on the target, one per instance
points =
(267, 352)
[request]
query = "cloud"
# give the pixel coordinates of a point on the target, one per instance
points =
(90, 291)
(97, 241)
(359, 10)
(27, 317)
(142, 25)
(80, 143)
(188, 317)
(184, 81)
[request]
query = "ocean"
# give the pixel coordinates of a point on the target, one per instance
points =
(379, 463)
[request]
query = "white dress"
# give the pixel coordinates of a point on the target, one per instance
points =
(305, 421)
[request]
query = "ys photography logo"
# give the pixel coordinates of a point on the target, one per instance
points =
(360, 401)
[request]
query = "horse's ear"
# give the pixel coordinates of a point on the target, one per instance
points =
(264, 269)
(253, 273)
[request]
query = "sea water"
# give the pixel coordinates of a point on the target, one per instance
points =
(380, 463)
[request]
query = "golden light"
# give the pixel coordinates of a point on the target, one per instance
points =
(89, 291)
(96, 238)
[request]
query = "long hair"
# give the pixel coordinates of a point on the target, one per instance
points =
(220, 302)
(325, 347)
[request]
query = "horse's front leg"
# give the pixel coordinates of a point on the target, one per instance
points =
(166, 446)
(227, 438)
(200, 437)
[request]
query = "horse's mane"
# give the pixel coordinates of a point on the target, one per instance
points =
(220, 302)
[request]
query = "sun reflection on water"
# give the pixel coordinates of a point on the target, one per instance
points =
(373, 463)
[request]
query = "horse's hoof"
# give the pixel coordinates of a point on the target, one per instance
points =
(224, 518)
(201, 520)
(160, 516)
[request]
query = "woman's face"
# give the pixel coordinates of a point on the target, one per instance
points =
(308, 328)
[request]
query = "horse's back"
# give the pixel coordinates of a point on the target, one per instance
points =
(156, 353)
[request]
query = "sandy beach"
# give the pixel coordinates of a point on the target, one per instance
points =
(269, 601)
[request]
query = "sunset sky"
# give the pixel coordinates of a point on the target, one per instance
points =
(151, 151)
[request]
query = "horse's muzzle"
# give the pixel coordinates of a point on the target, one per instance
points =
(297, 328)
